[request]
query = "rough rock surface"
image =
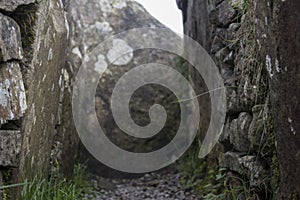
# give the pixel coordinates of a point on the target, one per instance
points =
(12, 92)
(163, 185)
(225, 29)
(90, 24)
(277, 33)
(10, 146)
(8, 5)
(10, 40)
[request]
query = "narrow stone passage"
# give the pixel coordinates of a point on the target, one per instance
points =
(161, 185)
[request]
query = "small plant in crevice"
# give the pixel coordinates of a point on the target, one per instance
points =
(25, 16)
(4, 190)
(201, 176)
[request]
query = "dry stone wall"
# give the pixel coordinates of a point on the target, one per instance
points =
(226, 28)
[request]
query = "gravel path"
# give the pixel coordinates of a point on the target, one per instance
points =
(163, 185)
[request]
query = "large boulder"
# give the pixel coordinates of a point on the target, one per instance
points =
(95, 21)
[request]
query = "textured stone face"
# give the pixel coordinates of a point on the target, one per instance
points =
(226, 13)
(10, 40)
(9, 5)
(225, 29)
(44, 85)
(10, 146)
(239, 132)
(91, 23)
(12, 92)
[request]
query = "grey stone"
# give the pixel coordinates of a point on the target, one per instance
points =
(225, 136)
(10, 39)
(249, 166)
(255, 170)
(12, 92)
(256, 129)
(225, 61)
(230, 160)
(221, 38)
(10, 146)
(226, 13)
(234, 27)
(94, 21)
(239, 132)
(9, 5)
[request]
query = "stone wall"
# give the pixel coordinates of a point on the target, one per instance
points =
(227, 30)
(34, 93)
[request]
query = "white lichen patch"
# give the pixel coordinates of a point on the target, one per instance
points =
(12, 93)
(44, 77)
(50, 54)
(22, 97)
(77, 52)
(119, 4)
(104, 27)
(291, 126)
(105, 6)
(266, 21)
(20, 51)
(3, 95)
(277, 66)
(60, 81)
(108, 6)
(269, 65)
(120, 53)
(66, 76)
(67, 24)
(100, 65)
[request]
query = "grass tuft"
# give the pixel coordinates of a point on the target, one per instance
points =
(54, 189)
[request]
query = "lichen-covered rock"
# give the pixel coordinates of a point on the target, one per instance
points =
(10, 39)
(10, 146)
(248, 166)
(239, 132)
(255, 169)
(230, 160)
(229, 30)
(90, 24)
(10, 6)
(12, 92)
